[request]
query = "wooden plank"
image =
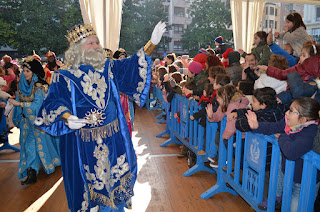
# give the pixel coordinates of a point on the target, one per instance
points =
(160, 185)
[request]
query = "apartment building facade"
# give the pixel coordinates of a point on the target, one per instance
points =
(179, 18)
(270, 17)
(312, 21)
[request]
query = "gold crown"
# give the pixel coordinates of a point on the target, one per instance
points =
(80, 32)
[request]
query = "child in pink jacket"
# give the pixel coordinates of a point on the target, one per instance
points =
(229, 98)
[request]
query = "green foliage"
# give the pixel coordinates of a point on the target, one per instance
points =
(39, 25)
(7, 33)
(139, 18)
(209, 20)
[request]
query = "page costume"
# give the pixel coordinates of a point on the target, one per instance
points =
(37, 147)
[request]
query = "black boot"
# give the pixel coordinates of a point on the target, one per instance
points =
(31, 177)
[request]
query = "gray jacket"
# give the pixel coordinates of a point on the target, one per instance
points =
(296, 39)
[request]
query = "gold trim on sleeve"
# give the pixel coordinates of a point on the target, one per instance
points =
(65, 116)
(149, 48)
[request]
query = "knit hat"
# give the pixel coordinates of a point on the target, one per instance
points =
(3, 82)
(202, 50)
(219, 39)
(201, 58)
(195, 67)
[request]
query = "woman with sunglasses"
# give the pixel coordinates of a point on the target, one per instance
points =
(297, 132)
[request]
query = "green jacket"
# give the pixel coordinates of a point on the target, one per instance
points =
(199, 83)
(261, 52)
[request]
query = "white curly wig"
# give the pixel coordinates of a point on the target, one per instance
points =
(76, 55)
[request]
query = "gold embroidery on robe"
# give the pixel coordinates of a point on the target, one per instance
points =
(93, 134)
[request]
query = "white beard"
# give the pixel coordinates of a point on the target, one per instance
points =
(94, 57)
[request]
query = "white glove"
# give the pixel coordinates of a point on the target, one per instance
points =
(158, 30)
(4, 95)
(75, 123)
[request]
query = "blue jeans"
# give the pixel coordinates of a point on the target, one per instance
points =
(296, 188)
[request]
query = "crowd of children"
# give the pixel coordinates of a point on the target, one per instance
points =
(272, 95)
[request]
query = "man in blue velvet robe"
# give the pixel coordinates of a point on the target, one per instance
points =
(98, 161)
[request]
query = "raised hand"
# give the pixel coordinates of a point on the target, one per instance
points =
(269, 38)
(209, 111)
(252, 119)
(157, 33)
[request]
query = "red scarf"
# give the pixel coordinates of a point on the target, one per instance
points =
(204, 98)
(188, 95)
(207, 99)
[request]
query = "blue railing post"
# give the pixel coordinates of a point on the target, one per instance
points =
(274, 168)
(308, 183)
(287, 186)
(220, 186)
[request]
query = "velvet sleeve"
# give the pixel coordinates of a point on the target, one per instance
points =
(56, 103)
(133, 76)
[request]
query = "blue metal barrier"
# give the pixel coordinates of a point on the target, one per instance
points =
(245, 171)
(168, 122)
(253, 161)
(252, 186)
(161, 104)
(155, 96)
(311, 166)
(191, 134)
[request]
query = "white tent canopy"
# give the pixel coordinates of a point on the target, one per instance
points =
(246, 18)
(105, 16)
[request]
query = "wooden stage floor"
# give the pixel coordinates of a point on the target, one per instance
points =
(160, 185)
